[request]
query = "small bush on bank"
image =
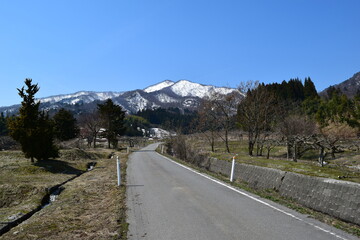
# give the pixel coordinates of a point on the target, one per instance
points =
(180, 148)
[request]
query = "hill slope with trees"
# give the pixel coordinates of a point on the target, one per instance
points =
(350, 87)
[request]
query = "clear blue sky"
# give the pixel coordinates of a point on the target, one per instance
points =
(118, 45)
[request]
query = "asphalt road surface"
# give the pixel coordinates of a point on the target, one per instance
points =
(167, 201)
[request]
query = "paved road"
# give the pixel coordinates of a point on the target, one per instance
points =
(169, 202)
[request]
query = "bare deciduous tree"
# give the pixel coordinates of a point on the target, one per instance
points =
(90, 127)
(270, 144)
(223, 111)
(256, 112)
(329, 139)
(207, 122)
(297, 131)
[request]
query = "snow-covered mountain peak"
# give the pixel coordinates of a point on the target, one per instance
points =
(186, 88)
(181, 94)
(159, 86)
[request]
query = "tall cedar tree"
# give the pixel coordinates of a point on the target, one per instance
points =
(65, 125)
(3, 125)
(310, 89)
(33, 129)
(312, 100)
(113, 120)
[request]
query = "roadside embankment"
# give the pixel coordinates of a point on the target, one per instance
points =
(24, 185)
(25, 190)
(336, 198)
(90, 206)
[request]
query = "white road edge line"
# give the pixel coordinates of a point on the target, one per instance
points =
(253, 198)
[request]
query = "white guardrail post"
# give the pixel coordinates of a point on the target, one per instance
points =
(232, 169)
(118, 170)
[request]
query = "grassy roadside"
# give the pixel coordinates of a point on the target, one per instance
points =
(346, 165)
(23, 185)
(276, 197)
(91, 206)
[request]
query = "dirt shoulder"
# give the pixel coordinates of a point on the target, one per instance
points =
(89, 207)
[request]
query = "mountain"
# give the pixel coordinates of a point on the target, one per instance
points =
(68, 101)
(181, 94)
(186, 88)
(349, 87)
(80, 97)
(159, 86)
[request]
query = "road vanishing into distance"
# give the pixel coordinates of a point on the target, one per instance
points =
(168, 201)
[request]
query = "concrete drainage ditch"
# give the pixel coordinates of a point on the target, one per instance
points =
(50, 197)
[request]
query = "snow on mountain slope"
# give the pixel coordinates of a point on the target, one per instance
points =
(164, 98)
(137, 102)
(83, 96)
(186, 88)
(181, 94)
(158, 86)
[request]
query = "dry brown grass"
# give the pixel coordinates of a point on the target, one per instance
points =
(346, 165)
(23, 184)
(90, 207)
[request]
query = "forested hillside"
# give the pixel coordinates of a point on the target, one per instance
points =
(350, 87)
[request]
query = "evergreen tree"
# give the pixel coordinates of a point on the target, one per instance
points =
(311, 106)
(296, 89)
(355, 121)
(332, 92)
(283, 91)
(312, 100)
(171, 118)
(32, 128)
(113, 120)
(309, 89)
(45, 138)
(339, 109)
(3, 125)
(134, 125)
(65, 125)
